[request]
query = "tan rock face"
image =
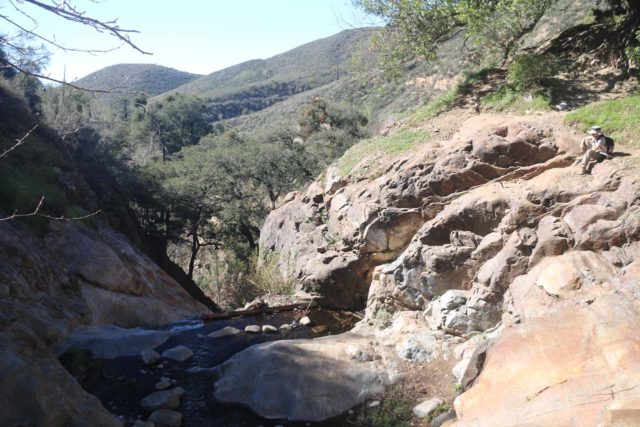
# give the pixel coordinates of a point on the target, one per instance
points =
(333, 236)
(494, 243)
(578, 365)
(51, 285)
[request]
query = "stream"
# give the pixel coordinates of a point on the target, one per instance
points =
(122, 382)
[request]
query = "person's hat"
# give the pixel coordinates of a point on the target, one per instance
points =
(595, 130)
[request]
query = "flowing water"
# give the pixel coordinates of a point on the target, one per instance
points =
(122, 382)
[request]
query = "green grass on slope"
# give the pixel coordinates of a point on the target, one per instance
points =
(507, 99)
(619, 118)
(377, 150)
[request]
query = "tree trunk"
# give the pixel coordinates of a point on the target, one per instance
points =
(246, 231)
(195, 247)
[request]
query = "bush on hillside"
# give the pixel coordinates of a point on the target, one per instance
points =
(529, 70)
(633, 52)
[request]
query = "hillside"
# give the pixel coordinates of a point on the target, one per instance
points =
(259, 83)
(148, 78)
(309, 65)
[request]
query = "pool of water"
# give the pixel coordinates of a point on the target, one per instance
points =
(122, 382)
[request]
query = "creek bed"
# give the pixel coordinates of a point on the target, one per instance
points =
(122, 382)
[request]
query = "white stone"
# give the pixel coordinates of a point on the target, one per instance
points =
(269, 329)
(305, 321)
(179, 353)
(286, 327)
(252, 329)
(373, 404)
(423, 409)
(166, 418)
(224, 332)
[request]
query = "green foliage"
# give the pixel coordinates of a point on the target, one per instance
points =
(382, 318)
(394, 410)
(508, 99)
(442, 408)
(232, 282)
(179, 121)
(529, 70)
(415, 28)
(633, 50)
(619, 118)
(496, 27)
(267, 276)
(381, 148)
(446, 101)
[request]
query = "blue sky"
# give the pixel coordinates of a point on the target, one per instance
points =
(199, 36)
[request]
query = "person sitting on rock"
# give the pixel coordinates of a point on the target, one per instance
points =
(593, 148)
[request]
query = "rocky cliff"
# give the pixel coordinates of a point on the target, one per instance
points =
(74, 276)
(57, 276)
(509, 263)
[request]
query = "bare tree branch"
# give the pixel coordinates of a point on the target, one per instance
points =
(53, 43)
(36, 212)
(18, 143)
(69, 12)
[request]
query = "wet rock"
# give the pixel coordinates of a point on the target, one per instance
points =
(166, 399)
(163, 384)
(319, 329)
(252, 329)
(140, 423)
(286, 327)
(196, 370)
(149, 356)
(224, 332)
(305, 321)
(269, 329)
(166, 418)
(179, 353)
(425, 408)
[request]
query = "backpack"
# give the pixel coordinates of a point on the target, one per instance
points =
(610, 144)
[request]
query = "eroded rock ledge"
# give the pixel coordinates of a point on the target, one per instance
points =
(507, 261)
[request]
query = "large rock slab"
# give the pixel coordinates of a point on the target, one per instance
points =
(577, 365)
(309, 380)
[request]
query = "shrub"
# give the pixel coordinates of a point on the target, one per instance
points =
(267, 276)
(508, 99)
(232, 282)
(382, 318)
(529, 70)
(633, 52)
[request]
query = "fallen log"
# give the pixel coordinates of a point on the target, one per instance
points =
(258, 311)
